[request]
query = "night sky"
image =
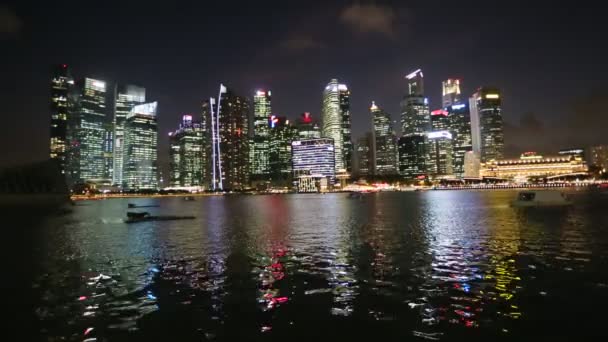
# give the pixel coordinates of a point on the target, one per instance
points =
(549, 62)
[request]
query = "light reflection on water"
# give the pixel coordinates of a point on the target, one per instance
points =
(433, 265)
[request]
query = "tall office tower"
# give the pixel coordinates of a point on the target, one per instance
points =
(125, 98)
(227, 122)
(314, 157)
(412, 156)
(472, 165)
(451, 92)
(282, 134)
(415, 116)
(186, 151)
(336, 123)
(108, 152)
(307, 127)
(439, 151)
(460, 127)
(598, 156)
(364, 155)
(174, 160)
(440, 120)
(384, 149)
(486, 124)
(259, 145)
(61, 85)
(140, 169)
(87, 127)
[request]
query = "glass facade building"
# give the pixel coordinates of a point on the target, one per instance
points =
(450, 92)
(227, 119)
(140, 169)
(337, 123)
(125, 98)
(364, 155)
(460, 127)
(61, 84)
(313, 157)
(384, 149)
(187, 159)
(412, 156)
(282, 134)
(307, 127)
(415, 115)
(487, 124)
(259, 146)
(87, 130)
(439, 154)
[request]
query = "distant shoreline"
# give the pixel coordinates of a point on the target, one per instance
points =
(207, 194)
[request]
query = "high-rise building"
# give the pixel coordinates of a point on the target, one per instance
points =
(313, 157)
(259, 145)
(186, 150)
(87, 131)
(412, 156)
(472, 165)
(61, 85)
(439, 152)
(415, 116)
(125, 98)
(307, 127)
(598, 157)
(108, 152)
(337, 123)
(440, 120)
(384, 149)
(487, 124)
(364, 155)
(282, 134)
(227, 119)
(451, 92)
(140, 169)
(460, 127)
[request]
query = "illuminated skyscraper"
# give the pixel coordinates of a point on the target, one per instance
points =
(259, 152)
(61, 85)
(451, 92)
(415, 116)
(487, 124)
(364, 155)
(460, 127)
(282, 134)
(440, 120)
(227, 122)
(384, 149)
(140, 169)
(337, 123)
(87, 130)
(186, 150)
(313, 157)
(126, 97)
(307, 127)
(439, 154)
(412, 156)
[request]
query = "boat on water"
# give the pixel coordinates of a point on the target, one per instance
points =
(189, 198)
(134, 217)
(541, 198)
(133, 205)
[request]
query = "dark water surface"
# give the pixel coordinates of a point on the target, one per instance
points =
(438, 265)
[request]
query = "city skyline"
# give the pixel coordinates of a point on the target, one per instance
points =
(180, 87)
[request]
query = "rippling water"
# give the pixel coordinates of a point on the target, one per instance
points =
(438, 265)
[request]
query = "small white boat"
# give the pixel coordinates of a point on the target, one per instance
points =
(541, 198)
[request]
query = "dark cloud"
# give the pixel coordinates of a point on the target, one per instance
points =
(525, 136)
(299, 43)
(10, 23)
(370, 18)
